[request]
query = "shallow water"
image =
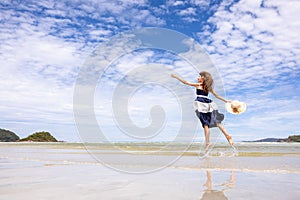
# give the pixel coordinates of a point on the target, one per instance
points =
(149, 171)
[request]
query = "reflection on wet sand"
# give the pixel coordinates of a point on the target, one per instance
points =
(213, 194)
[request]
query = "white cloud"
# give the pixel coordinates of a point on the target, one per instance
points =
(178, 3)
(200, 2)
(187, 11)
(250, 40)
(175, 3)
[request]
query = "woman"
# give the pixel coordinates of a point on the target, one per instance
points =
(206, 110)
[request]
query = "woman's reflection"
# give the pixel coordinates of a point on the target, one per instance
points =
(211, 194)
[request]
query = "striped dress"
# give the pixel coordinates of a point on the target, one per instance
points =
(206, 110)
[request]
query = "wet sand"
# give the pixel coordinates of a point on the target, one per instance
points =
(64, 171)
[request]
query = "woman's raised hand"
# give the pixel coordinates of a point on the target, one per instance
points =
(174, 75)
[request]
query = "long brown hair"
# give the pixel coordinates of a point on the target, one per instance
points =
(208, 81)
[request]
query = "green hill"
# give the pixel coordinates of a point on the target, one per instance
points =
(293, 138)
(39, 137)
(8, 136)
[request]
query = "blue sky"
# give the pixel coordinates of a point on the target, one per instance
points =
(253, 44)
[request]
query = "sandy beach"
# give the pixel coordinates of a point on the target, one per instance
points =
(69, 171)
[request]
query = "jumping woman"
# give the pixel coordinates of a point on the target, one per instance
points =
(206, 110)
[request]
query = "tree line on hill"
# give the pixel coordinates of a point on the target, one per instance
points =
(9, 136)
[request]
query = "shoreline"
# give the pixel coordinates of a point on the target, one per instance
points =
(248, 156)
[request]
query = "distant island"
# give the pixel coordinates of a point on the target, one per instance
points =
(39, 137)
(292, 138)
(9, 136)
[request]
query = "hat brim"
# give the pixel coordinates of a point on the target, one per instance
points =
(241, 110)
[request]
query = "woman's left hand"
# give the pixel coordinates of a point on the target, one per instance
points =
(174, 75)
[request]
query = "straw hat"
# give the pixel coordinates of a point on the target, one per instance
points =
(236, 107)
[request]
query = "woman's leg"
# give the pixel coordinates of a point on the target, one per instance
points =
(228, 137)
(206, 134)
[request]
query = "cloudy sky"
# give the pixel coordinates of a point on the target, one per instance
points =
(253, 44)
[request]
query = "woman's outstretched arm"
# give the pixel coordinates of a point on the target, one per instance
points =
(219, 97)
(184, 81)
